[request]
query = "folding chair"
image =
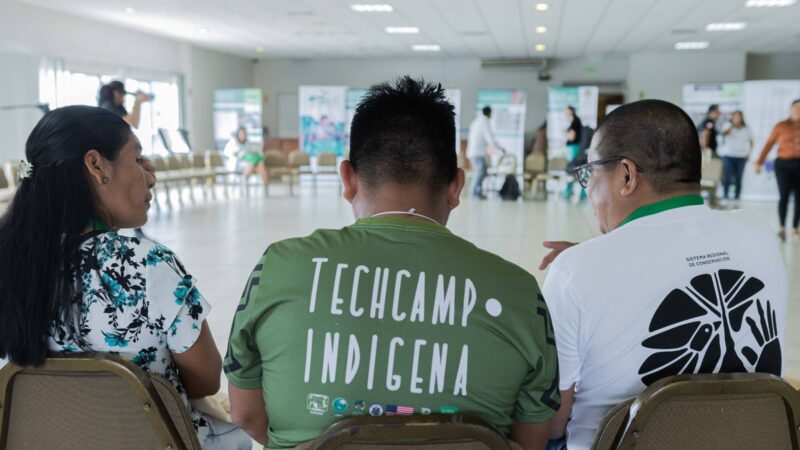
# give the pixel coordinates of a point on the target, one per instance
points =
(719, 411)
(432, 432)
(91, 401)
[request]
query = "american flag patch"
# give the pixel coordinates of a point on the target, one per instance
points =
(395, 410)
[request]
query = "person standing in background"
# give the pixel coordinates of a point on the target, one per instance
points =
(708, 130)
(112, 98)
(573, 134)
(787, 166)
(480, 138)
(735, 150)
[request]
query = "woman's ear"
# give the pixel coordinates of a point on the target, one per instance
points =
(96, 166)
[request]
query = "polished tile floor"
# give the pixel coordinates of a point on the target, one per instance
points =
(220, 240)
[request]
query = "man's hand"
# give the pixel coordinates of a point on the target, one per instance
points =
(556, 248)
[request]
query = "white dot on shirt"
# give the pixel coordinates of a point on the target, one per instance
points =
(493, 307)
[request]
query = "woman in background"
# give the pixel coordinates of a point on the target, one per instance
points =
(787, 166)
(252, 161)
(112, 98)
(69, 282)
(734, 151)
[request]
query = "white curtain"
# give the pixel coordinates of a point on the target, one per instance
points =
(51, 71)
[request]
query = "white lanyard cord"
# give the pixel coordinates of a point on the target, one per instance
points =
(410, 212)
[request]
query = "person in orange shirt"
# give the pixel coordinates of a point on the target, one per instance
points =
(787, 166)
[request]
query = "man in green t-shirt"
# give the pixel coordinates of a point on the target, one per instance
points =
(394, 314)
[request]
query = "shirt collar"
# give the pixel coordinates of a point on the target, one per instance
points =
(401, 222)
(664, 205)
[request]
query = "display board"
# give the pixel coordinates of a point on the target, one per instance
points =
(353, 98)
(234, 108)
(322, 119)
(765, 103)
(697, 97)
(508, 119)
(454, 97)
(585, 101)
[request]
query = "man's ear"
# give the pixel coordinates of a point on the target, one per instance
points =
(96, 166)
(349, 181)
(454, 190)
(632, 178)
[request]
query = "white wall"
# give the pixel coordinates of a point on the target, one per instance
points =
(279, 77)
(209, 70)
(28, 33)
(19, 84)
(662, 75)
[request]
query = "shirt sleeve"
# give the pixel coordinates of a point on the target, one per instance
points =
(242, 363)
(539, 397)
(773, 137)
(174, 298)
(488, 135)
(566, 324)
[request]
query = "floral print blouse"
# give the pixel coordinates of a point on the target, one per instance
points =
(136, 299)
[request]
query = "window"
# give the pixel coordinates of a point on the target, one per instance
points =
(78, 88)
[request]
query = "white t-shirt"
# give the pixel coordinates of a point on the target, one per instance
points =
(480, 137)
(641, 303)
(736, 143)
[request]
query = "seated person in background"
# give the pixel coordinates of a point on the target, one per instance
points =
(70, 282)
(394, 314)
(672, 287)
(239, 149)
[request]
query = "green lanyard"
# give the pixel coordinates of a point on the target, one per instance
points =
(97, 225)
(664, 205)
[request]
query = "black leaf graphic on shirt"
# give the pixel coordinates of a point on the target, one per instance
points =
(693, 329)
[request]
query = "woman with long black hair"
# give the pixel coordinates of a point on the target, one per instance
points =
(70, 282)
(787, 166)
(112, 98)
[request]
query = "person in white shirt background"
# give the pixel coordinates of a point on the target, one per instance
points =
(737, 143)
(239, 150)
(480, 139)
(672, 287)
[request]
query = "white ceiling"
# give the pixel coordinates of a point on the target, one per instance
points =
(471, 28)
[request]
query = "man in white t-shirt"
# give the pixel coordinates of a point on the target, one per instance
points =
(672, 287)
(480, 138)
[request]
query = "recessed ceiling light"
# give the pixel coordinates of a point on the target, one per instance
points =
(542, 7)
(259, 49)
(202, 30)
(402, 30)
(426, 48)
(541, 30)
(372, 8)
(730, 26)
(769, 3)
(540, 47)
(129, 10)
(699, 45)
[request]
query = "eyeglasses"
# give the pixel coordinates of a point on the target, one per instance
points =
(584, 172)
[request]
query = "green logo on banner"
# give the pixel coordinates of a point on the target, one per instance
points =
(448, 410)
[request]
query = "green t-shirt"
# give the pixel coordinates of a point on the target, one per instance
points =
(391, 316)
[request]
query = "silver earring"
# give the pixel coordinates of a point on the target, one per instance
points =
(105, 180)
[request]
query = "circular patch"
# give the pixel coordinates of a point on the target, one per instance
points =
(376, 410)
(340, 405)
(493, 307)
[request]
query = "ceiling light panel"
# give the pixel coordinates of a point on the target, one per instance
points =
(426, 48)
(699, 45)
(726, 26)
(372, 8)
(769, 3)
(402, 30)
